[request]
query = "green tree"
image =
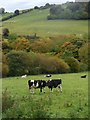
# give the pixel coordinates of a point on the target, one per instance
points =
(2, 10)
(16, 12)
(19, 63)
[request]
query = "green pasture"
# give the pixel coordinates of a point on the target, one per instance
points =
(72, 102)
(6, 15)
(36, 22)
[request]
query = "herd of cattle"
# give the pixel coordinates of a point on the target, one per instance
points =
(41, 84)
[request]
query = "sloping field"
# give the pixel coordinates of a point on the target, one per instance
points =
(36, 22)
(72, 103)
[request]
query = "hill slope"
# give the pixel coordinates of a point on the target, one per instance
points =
(36, 22)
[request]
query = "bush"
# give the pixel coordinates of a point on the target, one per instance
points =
(74, 64)
(5, 67)
(83, 67)
(5, 32)
(5, 70)
(27, 107)
(21, 44)
(52, 64)
(12, 36)
(7, 100)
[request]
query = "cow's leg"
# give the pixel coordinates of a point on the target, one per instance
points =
(32, 89)
(60, 87)
(41, 90)
(44, 89)
(51, 89)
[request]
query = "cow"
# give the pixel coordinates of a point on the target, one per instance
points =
(83, 76)
(36, 84)
(53, 83)
(23, 76)
(48, 75)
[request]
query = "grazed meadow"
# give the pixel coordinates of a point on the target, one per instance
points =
(36, 22)
(72, 103)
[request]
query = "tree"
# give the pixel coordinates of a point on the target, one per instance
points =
(70, 10)
(16, 12)
(19, 63)
(36, 7)
(2, 10)
(5, 32)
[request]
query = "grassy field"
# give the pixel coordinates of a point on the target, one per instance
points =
(72, 103)
(36, 22)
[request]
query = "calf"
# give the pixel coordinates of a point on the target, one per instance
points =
(83, 76)
(23, 76)
(48, 75)
(36, 84)
(54, 83)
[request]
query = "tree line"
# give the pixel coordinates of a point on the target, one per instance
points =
(70, 10)
(56, 54)
(19, 12)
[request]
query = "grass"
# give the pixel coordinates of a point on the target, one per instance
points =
(72, 103)
(36, 22)
(6, 15)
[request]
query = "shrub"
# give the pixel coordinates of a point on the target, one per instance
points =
(6, 46)
(27, 107)
(74, 64)
(21, 44)
(5, 70)
(52, 64)
(83, 67)
(5, 67)
(83, 53)
(12, 36)
(5, 32)
(7, 100)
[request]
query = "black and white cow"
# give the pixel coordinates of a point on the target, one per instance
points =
(36, 84)
(53, 83)
(49, 75)
(83, 76)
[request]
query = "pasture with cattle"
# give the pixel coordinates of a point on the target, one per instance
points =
(45, 60)
(72, 102)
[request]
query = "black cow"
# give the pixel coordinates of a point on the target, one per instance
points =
(83, 76)
(48, 75)
(54, 83)
(36, 84)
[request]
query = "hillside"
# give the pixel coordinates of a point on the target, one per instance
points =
(36, 22)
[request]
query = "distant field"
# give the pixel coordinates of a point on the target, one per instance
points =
(36, 22)
(72, 102)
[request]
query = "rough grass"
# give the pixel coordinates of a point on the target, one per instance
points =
(72, 103)
(36, 22)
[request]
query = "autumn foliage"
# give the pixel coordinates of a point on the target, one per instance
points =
(56, 54)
